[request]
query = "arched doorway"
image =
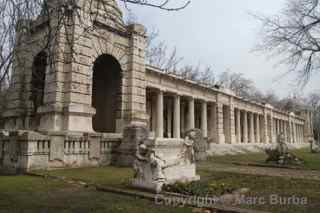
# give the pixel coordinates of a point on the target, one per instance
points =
(106, 93)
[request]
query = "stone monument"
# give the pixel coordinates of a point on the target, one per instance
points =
(155, 165)
(315, 146)
(279, 154)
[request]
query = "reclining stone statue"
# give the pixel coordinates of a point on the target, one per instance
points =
(315, 146)
(280, 154)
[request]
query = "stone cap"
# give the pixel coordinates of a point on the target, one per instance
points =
(137, 28)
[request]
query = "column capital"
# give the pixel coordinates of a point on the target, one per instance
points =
(190, 98)
(177, 95)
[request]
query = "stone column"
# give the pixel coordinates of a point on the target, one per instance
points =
(245, 127)
(290, 131)
(191, 120)
(285, 131)
(176, 117)
(258, 139)
(297, 133)
(213, 122)
(238, 123)
(204, 119)
(182, 118)
(231, 122)
(300, 134)
(251, 133)
(265, 128)
(294, 133)
(272, 129)
(159, 131)
(220, 132)
(169, 117)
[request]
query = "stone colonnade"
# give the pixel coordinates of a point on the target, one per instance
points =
(170, 115)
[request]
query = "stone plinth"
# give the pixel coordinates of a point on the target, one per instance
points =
(133, 135)
(166, 161)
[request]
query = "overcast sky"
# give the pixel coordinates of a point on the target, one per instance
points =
(222, 34)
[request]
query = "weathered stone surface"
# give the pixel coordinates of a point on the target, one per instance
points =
(27, 150)
(200, 143)
(280, 154)
(314, 146)
(164, 162)
(133, 135)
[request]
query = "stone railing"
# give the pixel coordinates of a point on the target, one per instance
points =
(109, 144)
(76, 146)
(28, 150)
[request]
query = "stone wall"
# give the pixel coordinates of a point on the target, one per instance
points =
(22, 151)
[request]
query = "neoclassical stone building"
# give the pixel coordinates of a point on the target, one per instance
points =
(69, 104)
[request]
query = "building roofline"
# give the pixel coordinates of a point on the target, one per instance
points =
(159, 71)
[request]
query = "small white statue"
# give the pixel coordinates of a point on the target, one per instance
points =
(187, 153)
(147, 160)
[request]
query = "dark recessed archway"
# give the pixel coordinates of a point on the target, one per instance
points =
(106, 91)
(38, 80)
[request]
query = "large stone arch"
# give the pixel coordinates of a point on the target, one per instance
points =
(38, 78)
(106, 93)
(37, 86)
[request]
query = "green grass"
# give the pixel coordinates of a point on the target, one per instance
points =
(240, 158)
(312, 160)
(262, 186)
(31, 194)
(111, 176)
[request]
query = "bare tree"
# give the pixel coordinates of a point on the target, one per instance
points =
(159, 55)
(207, 77)
(237, 83)
(189, 72)
(294, 36)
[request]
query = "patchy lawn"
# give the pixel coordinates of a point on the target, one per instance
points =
(312, 161)
(111, 176)
(240, 158)
(261, 186)
(35, 194)
(30, 194)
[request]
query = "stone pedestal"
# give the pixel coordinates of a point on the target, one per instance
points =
(133, 135)
(166, 161)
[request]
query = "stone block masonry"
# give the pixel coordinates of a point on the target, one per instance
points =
(22, 151)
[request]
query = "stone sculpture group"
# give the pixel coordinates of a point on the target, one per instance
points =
(280, 155)
(154, 166)
(315, 146)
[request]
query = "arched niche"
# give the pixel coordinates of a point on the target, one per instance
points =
(106, 93)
